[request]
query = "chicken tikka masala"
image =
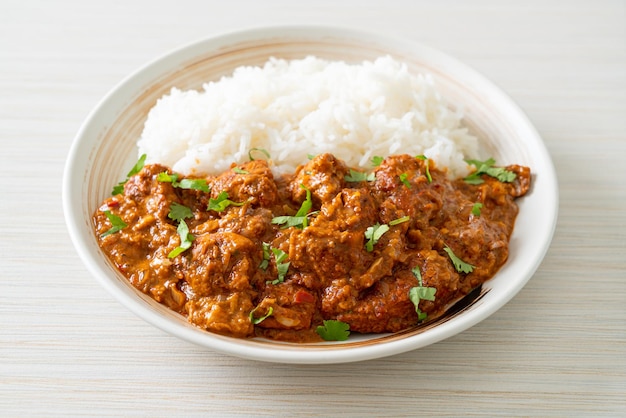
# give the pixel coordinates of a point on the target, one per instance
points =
(316, 254)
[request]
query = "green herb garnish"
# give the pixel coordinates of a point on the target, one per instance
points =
(425, 158)
(192, 184)
(117, 224)
(487, 167)
(221, 202)
(333, 330)
(266, 256)
(476, 207)
(119, 188)
(377, 160)
(239, 170)
(399, 220)
(282, 268)
(403, 179)
(179, 212)
(373, 234)
(186, 239)
(300, 219)
(420, 292)
(356, 176)
(460, 265)
(261, 150)
(256, 321)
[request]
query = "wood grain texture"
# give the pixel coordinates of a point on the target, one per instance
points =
(557, 349)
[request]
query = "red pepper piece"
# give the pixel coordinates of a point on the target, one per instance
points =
(302, 296)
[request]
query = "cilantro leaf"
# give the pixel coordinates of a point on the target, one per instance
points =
(420, 292)
(117, 224)
(460, 265)
(266, 256)
(289, 221)
(487, 167)
(256, 321)
(333, 330)
(194, 184)
(476, 207)
(179, 212)
(300, 219)
(425, 158)
(186, 239)
(418, 274)
(373, 234)
(119, 187)
(261, 150)
(166, 177)
(403, 179)
(307, 204)
(221, 202)
(138, 166)
(356, 176)
(239, 170)
(377, 160)
(282, 268)
(400, 220)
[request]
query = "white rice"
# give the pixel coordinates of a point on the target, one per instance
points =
(293, 109)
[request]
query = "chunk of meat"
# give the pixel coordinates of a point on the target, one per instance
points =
(323, 176)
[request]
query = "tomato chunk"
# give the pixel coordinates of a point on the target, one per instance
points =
(302, 296)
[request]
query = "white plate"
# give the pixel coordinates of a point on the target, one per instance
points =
(104, 149)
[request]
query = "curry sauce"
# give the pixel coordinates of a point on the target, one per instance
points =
(274, 257)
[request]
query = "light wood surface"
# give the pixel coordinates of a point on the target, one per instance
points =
(557, 349)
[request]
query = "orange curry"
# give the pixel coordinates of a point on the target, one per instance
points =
(247, 254)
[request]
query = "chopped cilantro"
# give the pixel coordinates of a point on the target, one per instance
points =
(185, 239)
(333, 330)
(117, 224)
(310, 156)
(373, 234)
(476, 207)
(425, 158)
(420, 292)
(256, 321)
(403, 179)
(138, 166)
(307, 204)
(166, 177)
(193, 184)
(377, 160)
(288, 221)
(300, 219)
(239, 170)
(487, 167)
(221, 202)
(282, 268)
(460, 265)
(119, 188)
(266, 256)
(261, 150)
(179, 212)
(356, 176)
(399, 220)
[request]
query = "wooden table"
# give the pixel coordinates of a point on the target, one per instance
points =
(557, 349)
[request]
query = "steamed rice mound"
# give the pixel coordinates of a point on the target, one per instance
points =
(293, 109)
